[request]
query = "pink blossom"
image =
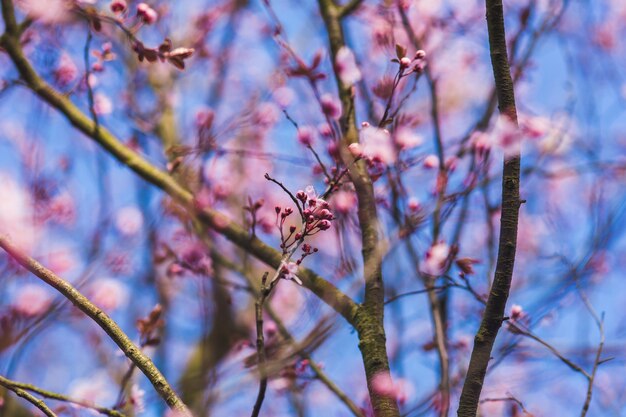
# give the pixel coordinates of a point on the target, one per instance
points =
(289, 271)
(344, 201)
(108, 294)
(306, 134)
(406, 138)
(129, 221)
(506, 134)
(414, 204)
(356, 150)
(435, 259)
(377, 145)
(118, 6)
(283, 96)
(331, 106)
(102, 104)
(405, 61)
(517, 312)
(382, 384)
(62, 209)
(267, 115)
(61, 261)
(431, 161)
(345, 63)
(147, 14)
(32, 300)
(66, 70)
(136, 399)
(16, 213)
(48, 11)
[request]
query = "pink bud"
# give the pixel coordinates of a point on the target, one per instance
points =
(405, 62)
(414, 204)
(324, 225)
(420, 54)
(305, 135)
(431, 161)
(147, 14)
(356, 150)
(118, 6)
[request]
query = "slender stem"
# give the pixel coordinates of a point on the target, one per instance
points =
(499, 293)
(59, 397)
(40, 404)
(260, 343)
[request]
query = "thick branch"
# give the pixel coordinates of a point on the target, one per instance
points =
(369, 320)
(496, 303)
(330, 294)
(116, 334)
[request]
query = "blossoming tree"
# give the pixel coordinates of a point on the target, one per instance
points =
(369, 208)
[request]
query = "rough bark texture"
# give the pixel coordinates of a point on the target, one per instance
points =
(496, 303)
(370, 315)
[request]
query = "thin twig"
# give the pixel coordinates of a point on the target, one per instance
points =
(260, 342)
(59, 397)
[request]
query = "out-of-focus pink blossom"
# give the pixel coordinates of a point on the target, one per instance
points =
(118, 6)
(283, 96)
(517, 312)
(108, 294)
(102, 104)
(129, 221)
(400, 390)
(407, 138)
(147, 14)
(66, 70)
(32, 300)
(344, 201)
(331, 106)
(376, 144)
(48, 11)
(267, 115)
(506, 135)
(431, 162)
(289, 271)
(356, 150)
(136, 399)
(61, 209)
(306, 135)
(435, 260)
(345, 63)
(16, 214)
(61, 261)
(414, 204)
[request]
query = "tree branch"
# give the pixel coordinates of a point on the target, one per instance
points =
(40, 404)
(9, 384)
(330, 294)
(499, 293)
(143, 362)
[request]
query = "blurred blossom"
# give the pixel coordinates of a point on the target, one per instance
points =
(435, 259)
(66, 70)
(376, 145)
(344, 201)
(61, 261)
(400, 390)
(48, 11)
(407, 138)
(283, 96)
(306, 135)
(32, 300)
(16, 213)
(95, 389)
(331, 106)
(431, 162)
(102, 104)
(129, 221)
(136, 399)
(345, 63)
(147, 14)
(267, 115)
(108, 294)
